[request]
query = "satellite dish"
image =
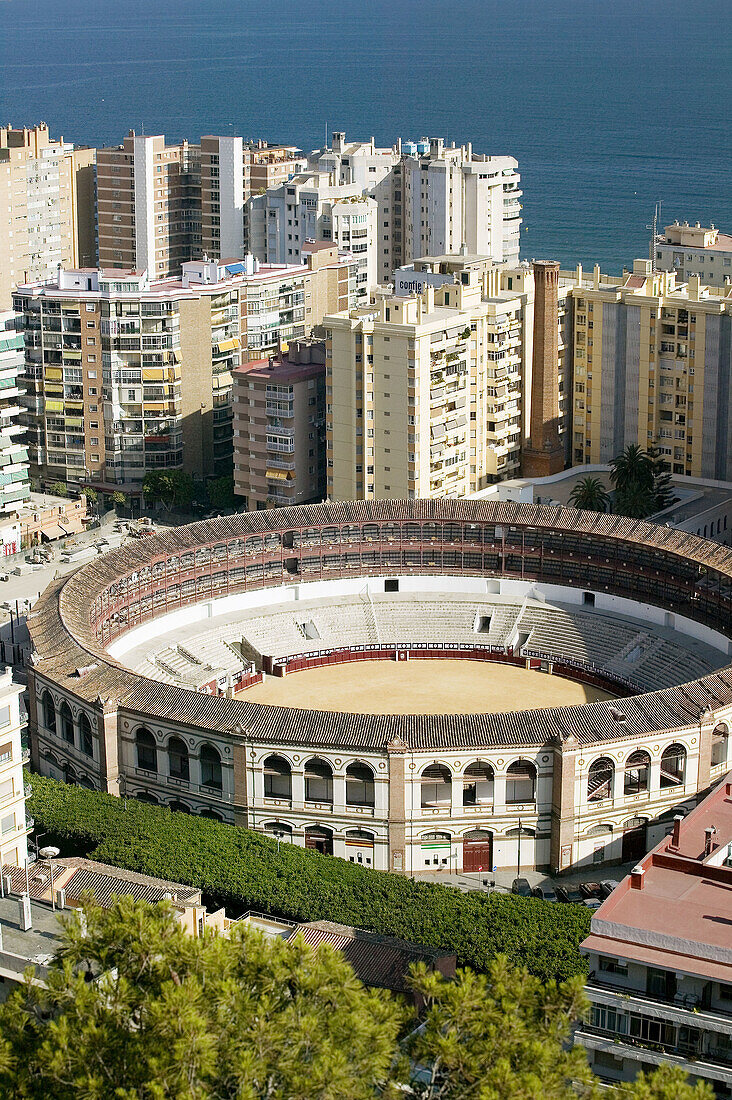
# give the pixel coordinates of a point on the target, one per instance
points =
(50, 852)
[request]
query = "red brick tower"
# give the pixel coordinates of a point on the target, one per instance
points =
(544, 452)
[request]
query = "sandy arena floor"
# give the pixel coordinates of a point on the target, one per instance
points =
(421, 687)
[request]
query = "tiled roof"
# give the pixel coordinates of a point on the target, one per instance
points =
(64, 640)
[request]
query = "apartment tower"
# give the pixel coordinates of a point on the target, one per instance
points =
(47, 195)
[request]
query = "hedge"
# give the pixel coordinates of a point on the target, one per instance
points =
(243, 870)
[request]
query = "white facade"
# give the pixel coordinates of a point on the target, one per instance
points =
(695, 250)
(314, 207)
(13, 826)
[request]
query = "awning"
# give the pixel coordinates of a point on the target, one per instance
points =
(54, 406)
(227, 345)
(53, 532)
(277, 475)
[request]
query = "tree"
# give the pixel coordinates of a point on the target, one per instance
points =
(59, 489)
(663, 489)
(119, 498)
(167, 1015)
(221, 493)
(590, 494)
(133, 1007)
(172, 488)
(631, 472)
(91, 495)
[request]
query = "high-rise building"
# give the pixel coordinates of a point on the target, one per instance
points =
(232, 170)
(126, 374)
(14, 476)
(149, 205)
(653, 367)
(279, 427)
(695, 250)
(14, 827)
(428, 389)
(432, 199)
(47, 198)
(314, 206)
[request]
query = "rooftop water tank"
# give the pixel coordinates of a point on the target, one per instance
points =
(423, 147)
(409, 148)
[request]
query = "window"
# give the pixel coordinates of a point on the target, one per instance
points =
(637, 772)
(7, 824)
(318, 781)
(673, 766)
(477, 784)
(86, 741)
(178, 759)
(613, 966)
(720, 739)
(600, 780)
(4, 716)
(147, 755)
(436, 785)
(277, 778)
(67, 723)
(359, 785)
(521, 782)
(211, 775)
(49, 712)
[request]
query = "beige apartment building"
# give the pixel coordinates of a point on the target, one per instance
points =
(653, 367)
(149, 205)
(279, 427)
(695, 250)
(232, 170)
(428, 389)
(47, 195)
(125, 374)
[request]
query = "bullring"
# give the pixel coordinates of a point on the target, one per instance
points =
(609, 602)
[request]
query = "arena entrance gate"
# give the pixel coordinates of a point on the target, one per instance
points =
(320, 840)
(478, 850)
(634, 839)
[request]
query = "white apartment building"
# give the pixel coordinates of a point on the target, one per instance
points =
(431, 199)
(314, 206)
(695, 250)
(425, 387)
(14, 828)
(14, 476)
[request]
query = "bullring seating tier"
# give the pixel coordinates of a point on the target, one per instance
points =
(650, 657)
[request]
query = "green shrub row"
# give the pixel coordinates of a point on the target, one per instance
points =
(243, 869)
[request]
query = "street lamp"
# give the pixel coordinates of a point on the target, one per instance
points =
(50, 853)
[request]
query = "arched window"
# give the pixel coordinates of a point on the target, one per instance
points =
(277, 778)
(210, 768)
(145, 796)
(178, 759)
(49, 712)
(720, 741)
(524, 832)
(478, 784)
(673, 766)
(600, 779)
(212, 814)
(359, 785)
(86, 740)
(67, 723)
(318, 781)
(521, 782)
(637, 772)
(319, 839)
(436, 785)
(360, 847)
(147, 754)
(179, 807)
(279, 829)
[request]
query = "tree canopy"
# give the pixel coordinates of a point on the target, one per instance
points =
(173, 488)
(590, 494)
(642, 482)
(134, 1008)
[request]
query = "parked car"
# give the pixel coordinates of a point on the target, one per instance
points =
(591, 889)
(570, 893)
(546, 892)
(521, 887)
(608, 886)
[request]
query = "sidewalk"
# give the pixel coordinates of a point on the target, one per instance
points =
(503, 878)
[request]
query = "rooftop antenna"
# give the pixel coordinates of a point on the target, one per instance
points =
(654, 235)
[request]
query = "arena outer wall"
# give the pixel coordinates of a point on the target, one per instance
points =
(90, 717)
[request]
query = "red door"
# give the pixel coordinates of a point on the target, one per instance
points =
(478, 854)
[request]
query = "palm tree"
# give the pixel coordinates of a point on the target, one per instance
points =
(632, 467)
(590, 494)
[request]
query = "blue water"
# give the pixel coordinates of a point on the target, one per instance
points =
(608, 105)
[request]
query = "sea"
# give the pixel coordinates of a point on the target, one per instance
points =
(610, 106)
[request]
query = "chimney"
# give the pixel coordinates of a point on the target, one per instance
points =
(544, 453)
(676, 835)
(636, 877)
(709, 834)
